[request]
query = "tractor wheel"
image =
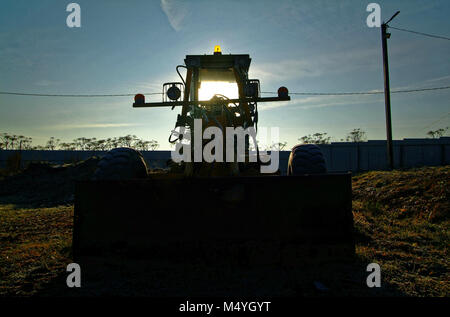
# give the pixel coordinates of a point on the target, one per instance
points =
(306, 159)
(121, 163)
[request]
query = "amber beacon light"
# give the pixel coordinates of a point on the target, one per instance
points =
(217, 50)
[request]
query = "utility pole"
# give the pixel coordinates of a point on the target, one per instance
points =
(387, 92)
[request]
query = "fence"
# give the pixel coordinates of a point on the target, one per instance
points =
(340, 156)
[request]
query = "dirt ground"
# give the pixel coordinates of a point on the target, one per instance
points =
(401, 222)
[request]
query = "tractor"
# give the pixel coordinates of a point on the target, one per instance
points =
(219, 210)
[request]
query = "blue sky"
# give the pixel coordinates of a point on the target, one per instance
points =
(133, 46)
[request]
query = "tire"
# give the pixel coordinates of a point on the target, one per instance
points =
(121, 163)
(306, 159)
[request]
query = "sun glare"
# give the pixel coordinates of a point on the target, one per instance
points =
(209, 88)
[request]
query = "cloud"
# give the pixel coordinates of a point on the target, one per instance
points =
(444, 78)
(176, 11)
(46, 83)
(320, 102)
(315, 66)
(91, 126)
(285, 70)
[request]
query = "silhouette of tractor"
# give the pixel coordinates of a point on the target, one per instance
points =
(211, 206)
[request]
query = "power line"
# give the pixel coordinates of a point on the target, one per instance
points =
(377, 92)
(421, 33)
(328, 93)
(361, 92)
(72, 95)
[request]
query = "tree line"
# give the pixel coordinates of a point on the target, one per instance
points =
(358, 135)
(20, 142)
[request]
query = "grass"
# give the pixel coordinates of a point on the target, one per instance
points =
(401, 222)
(35, 245)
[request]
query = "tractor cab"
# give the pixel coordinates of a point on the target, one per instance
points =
(216, 89)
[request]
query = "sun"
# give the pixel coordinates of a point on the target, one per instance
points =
(209, 88)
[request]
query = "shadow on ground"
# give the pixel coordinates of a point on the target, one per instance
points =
(145, 277)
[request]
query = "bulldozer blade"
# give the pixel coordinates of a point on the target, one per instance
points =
(261, 219)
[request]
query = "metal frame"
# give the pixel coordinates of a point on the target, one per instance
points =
(205, 102)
